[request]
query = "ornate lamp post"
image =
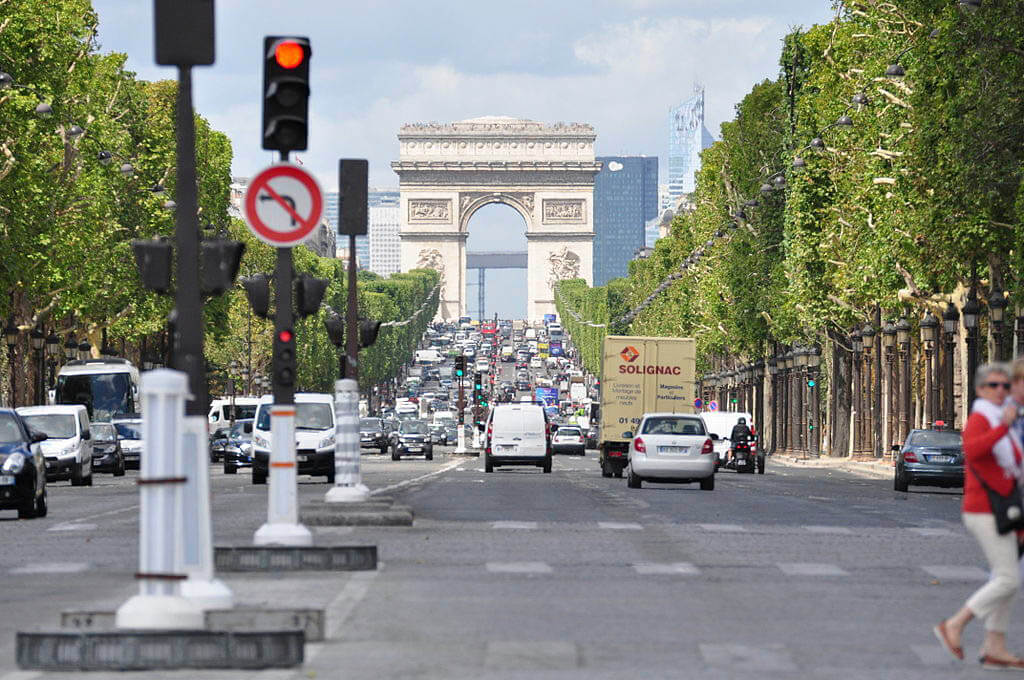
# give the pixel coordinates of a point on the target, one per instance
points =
(53, 350)
(971, 311)
(858, 415)
(889, 347)
(813, 431)
(800, 359)
(996, 313)
(759, 401)
(244, 372)
(951, 325)
(11, 337)
(1020, 332)
(37, 341)
(790, 411)
(84, 350)
(929, 335)
(70, 348)
(903, 339)
(874, 388)
(773, 369)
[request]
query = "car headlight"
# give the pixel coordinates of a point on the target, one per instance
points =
(69, 451)
(14, 464)
(325, 442)
(261, 442)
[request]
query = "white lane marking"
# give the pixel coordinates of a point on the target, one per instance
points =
(513, 525)
(675, 568)
(518, 567)
(51, 568)
(932, 655)
(748, 657)
(815, 529)
(930, 531)
(819, 498)
(339, 610)
(21, 675)
(630, 526)
(402, 485)
(114, 512)
(722, 527)
(528, 655)
(956, 572)
(811, 569)
(72, 526)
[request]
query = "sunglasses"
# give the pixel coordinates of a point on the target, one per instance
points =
(1004, 385)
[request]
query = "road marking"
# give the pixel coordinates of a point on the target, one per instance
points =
(115, 512)
(957, 573)
(722, 527)
(930, 531)
(529, 655)
(518, 567)
(513, 525)
(21, 675)
(811, 569)
(51, 568)
(340, 609)
(630, 526)
(815, 529)
(748, 657)
(72, 526)
(402, 485)
(819, 498)
(673, 569)
(932, 655)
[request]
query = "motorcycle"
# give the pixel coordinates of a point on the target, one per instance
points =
(744, 457)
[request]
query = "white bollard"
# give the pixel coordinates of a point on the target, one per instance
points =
(282, 526)
(461, 447)
(348, 482)
(159, 603)
(476, 436)
(197, 554)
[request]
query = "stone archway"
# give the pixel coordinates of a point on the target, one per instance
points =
(544, 172)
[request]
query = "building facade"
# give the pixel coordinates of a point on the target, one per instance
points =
(687, 137)
(625, 201)
(385, 222)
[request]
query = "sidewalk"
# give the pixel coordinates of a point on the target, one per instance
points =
(868, 466)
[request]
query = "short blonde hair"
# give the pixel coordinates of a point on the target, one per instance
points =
(1017, 370)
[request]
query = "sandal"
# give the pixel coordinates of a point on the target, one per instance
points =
(943, 637)
(993, 664)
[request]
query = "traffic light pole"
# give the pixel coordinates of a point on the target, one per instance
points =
(352, 316)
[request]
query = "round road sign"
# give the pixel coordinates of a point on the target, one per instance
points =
(698, 402)
(713, 405)
(283, 205)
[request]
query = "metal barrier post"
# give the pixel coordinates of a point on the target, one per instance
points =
(282, 526)
(159, 603)
(348, 482)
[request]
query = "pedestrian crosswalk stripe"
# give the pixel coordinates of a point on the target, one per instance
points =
(513, 525)
(72, 526)
(722, 527)
(930, 531)
(51, 568)
(620, 525)
(814, 529)
(957, 572)
(675, 568)
(811, 569)
(519, 567)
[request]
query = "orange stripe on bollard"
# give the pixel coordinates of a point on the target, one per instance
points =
(282, 465)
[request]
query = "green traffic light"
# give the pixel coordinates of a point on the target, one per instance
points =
(810, 383)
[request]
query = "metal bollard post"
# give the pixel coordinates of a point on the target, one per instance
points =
(348, 482)
(461, 441)
(159, 603)
(282, 526)
(476, 435)
(197, 555)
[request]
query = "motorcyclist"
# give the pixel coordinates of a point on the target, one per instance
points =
(740, 435)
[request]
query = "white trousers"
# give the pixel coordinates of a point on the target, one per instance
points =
(992, 601)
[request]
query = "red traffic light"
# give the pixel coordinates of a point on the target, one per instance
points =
(285, 335)
(289, 54)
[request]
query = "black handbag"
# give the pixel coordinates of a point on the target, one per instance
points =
(1008, 510)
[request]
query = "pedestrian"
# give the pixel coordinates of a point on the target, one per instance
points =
(994, 460)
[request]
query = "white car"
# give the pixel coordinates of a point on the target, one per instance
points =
(482, 366)
(671, 447)
(314, 436)
(568, 439)
(517, 434)
(68, 446)
(536, 363)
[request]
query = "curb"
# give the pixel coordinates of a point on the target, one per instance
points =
(874, 469)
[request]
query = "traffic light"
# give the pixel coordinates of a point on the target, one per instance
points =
(811, 383)
(284, 357)
(309, 292)
(335, 328)
(153, 260)
(477, 382)
(285, 93)
(218, 265)
(257, 289)
(460, 366)
(368, 329)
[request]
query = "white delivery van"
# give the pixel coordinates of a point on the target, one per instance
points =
(428, 356)
(517, 434)
(531, 334)
(314, 436)
(68, 446)
(106, 387)
(219, 416)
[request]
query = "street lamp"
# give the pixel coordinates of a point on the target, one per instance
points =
(53, 350)
(11, 336)
(903, 341)
(37, 341)
(70, 348)
(971, 311)
(84, 350)
(889, 346)
(929, 335)
(800, 359)
(951, 326)
(858, 346)
(814, 432)
(773, 369)
(996, 312)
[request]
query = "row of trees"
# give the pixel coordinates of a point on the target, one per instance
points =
(886, 164)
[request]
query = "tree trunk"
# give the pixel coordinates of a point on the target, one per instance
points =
(839, 397)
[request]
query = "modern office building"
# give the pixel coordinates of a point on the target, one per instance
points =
(385, 247)
(687, 137)
(625, 200)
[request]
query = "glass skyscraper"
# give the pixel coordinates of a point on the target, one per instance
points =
(625, 199)
(687, 137)
(362, 242)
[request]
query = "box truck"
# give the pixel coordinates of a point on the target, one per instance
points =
(641, 375)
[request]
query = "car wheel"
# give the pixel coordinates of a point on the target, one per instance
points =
(760, 465)
(618, 472)
(547, 464)
(230, 469)
(77, 479)
(330, 476)
(708, 483)
(383, 450)
(605, 471)
(632, 481)
(430, 456)
(900, 482)
(488, 465)
(258, 477)
(41, 507)
(27, 510)
(394, 455)
(119, 469)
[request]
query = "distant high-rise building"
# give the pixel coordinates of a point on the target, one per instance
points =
(687, 137)
(625, 199)
(362, 242)
(385, 246)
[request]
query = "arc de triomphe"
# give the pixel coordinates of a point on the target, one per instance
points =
(545, 172)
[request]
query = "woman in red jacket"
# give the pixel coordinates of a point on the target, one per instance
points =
(993, 456)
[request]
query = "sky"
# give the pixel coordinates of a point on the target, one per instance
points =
(377, 64)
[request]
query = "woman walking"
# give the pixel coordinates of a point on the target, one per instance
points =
(994, 459)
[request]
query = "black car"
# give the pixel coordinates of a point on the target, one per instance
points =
(373, 434)
(411, 437)
(106, 449)
(237, 447)
(930, 458)
(22, 467)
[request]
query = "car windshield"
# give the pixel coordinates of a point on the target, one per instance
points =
(53, 425)
(242, 430)
(571, 431)
(10, 433)
(672, 425)
(103, 432)
(129, 430)
(242, 411)
(413, 427)
(935, 438)
(370, 424)
(314, 416)
(104, 395)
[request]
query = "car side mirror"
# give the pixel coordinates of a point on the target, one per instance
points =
(896, 448)
(714, 437)
(247, 428)
(87, 435)
(35, 436)
(627, 435)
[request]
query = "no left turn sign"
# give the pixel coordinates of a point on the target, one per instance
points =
(283, 205)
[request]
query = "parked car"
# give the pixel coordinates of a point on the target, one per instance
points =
(517, 434)
(314, 436)
(373, 434)
(568, 439)
(68, 447)
(438, 434)
(411, 437)
(929, 458)
(106, 449)
(22, 467)
(237, 451)
(669, 447)
(129, 436)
